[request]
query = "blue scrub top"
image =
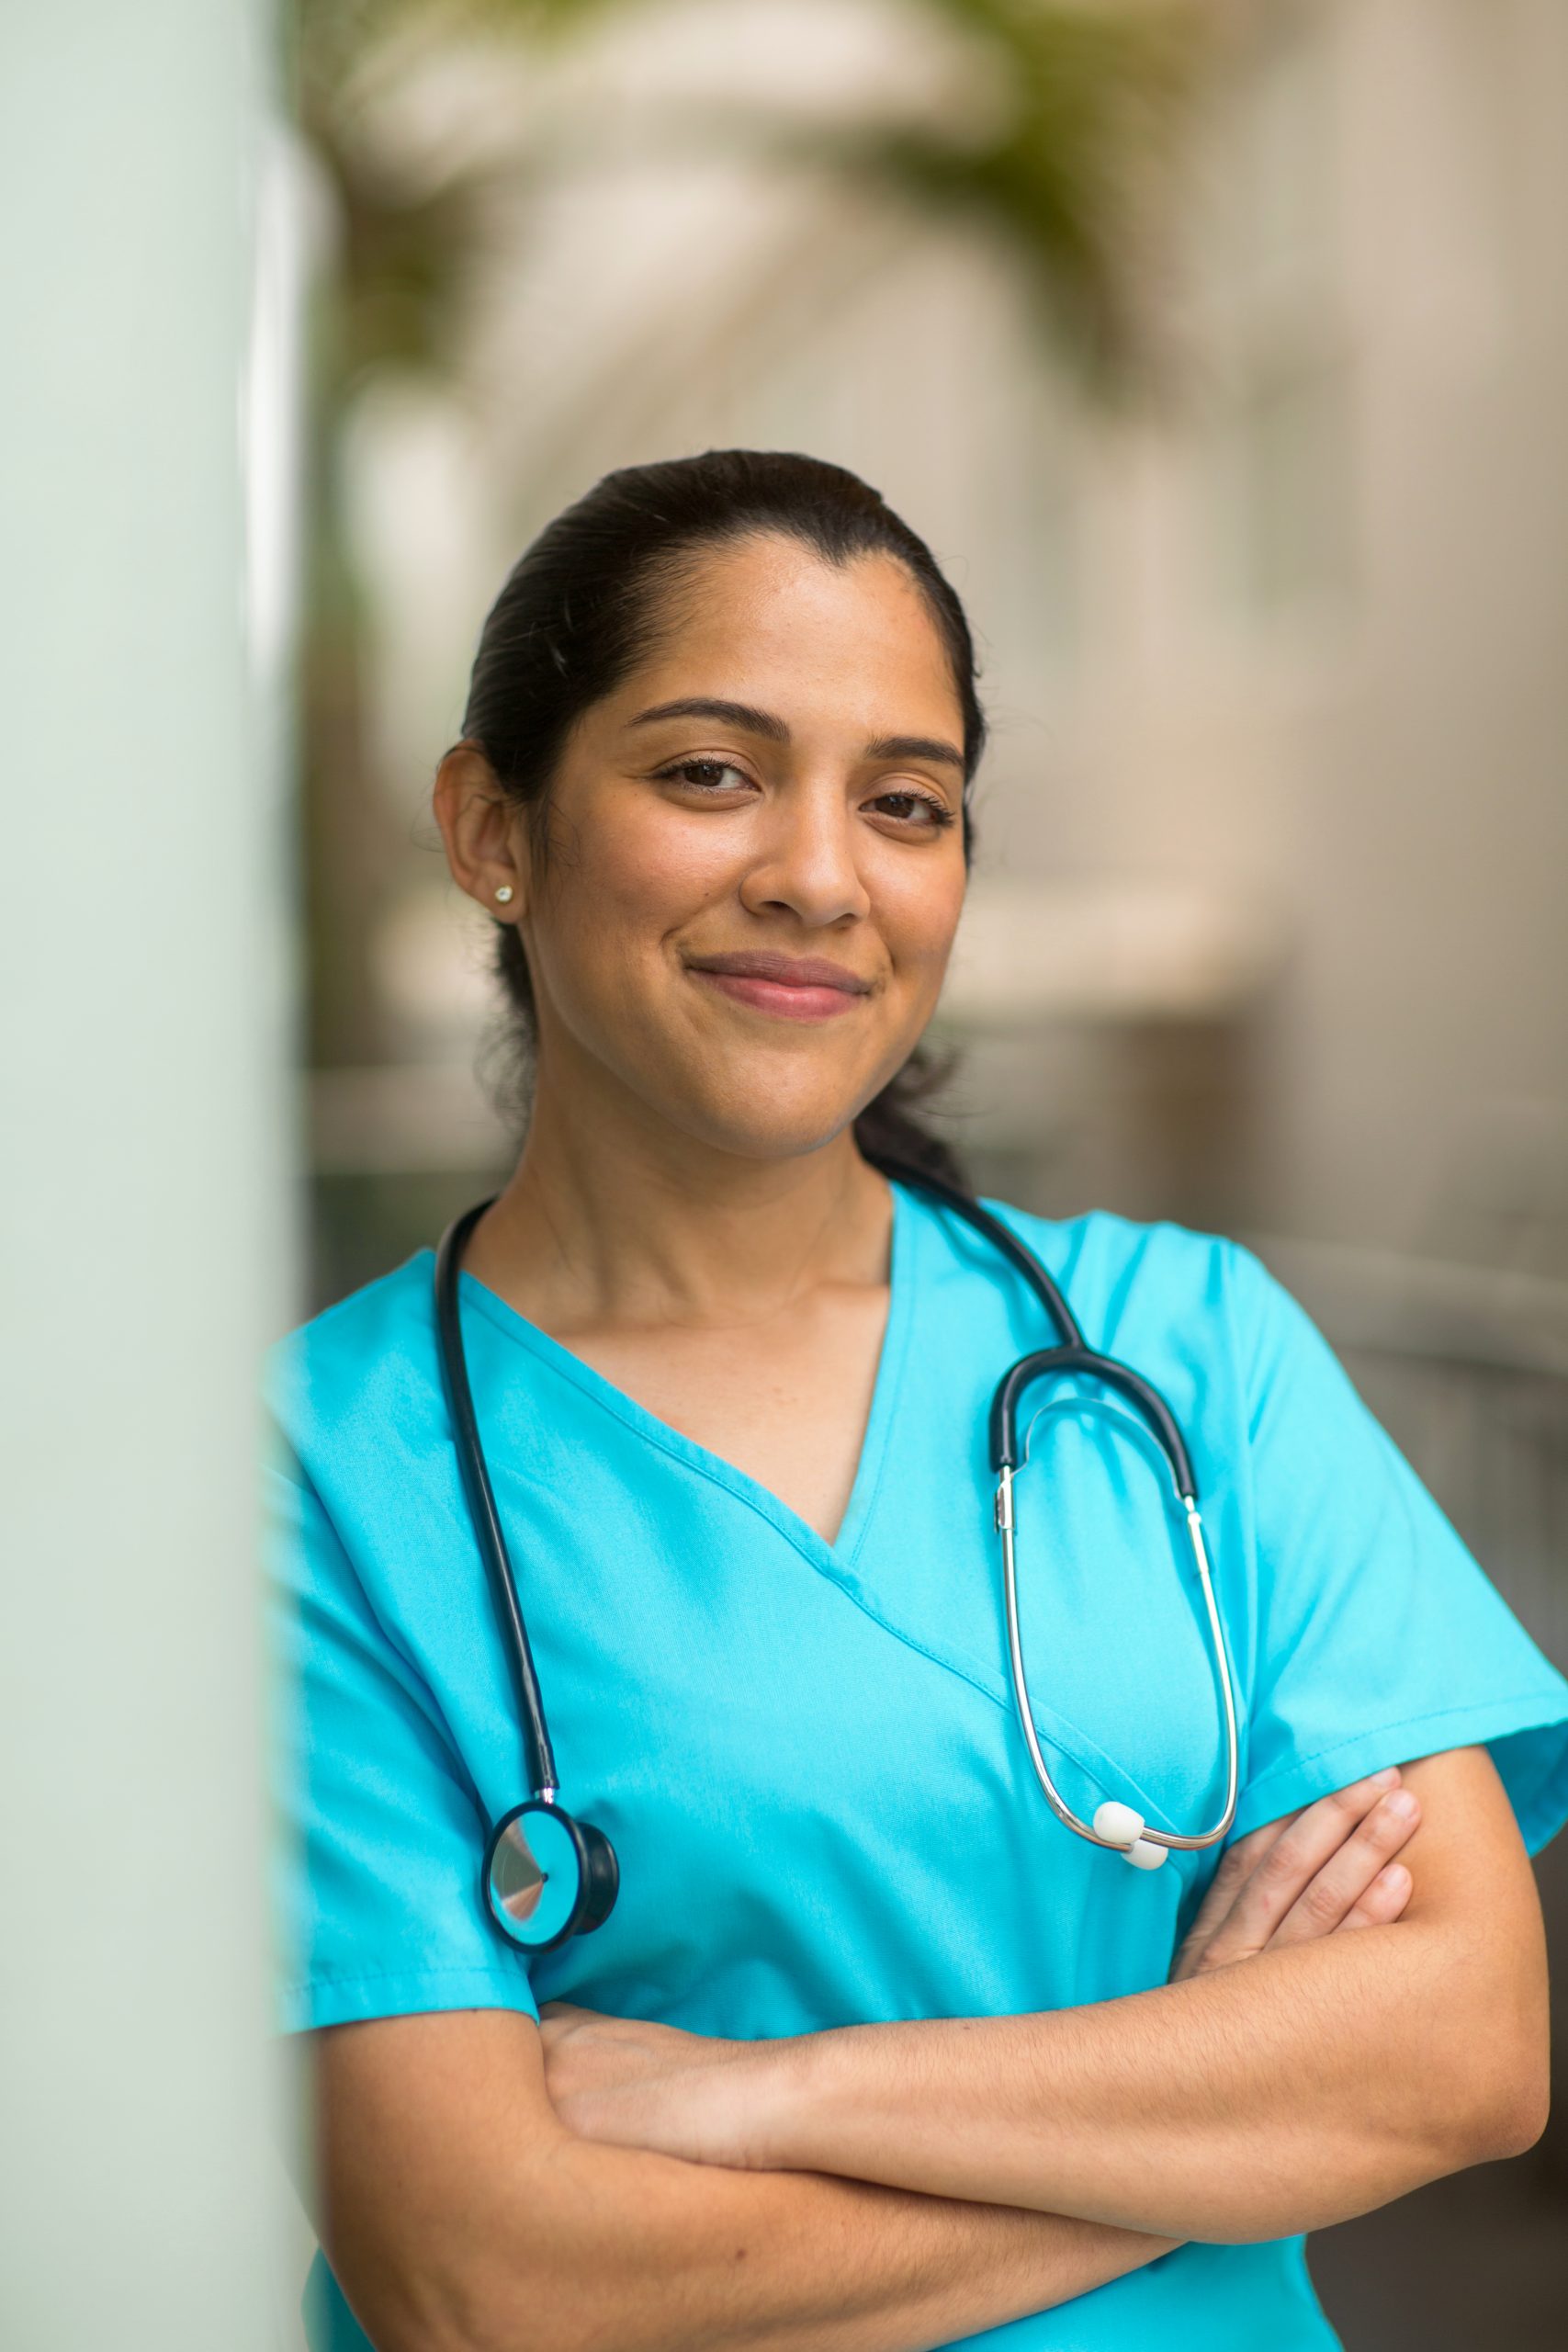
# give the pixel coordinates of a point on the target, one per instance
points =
(805, 1753)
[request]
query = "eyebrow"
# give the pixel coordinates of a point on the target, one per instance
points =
(914, 747)
(733, 713)
(773, 729)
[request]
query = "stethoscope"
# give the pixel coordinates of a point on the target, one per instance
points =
(547, 1875)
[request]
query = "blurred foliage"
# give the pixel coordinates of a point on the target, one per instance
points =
(1067, 166)
(1073, 174)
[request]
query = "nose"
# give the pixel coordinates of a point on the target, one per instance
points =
(806, 861)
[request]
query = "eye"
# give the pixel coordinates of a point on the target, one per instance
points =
(703, 775)
(916, 811)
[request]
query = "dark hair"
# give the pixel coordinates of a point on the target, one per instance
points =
(582, 607)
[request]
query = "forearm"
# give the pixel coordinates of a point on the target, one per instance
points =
(1309, 2084)
(1291, 2075)
(669, 2256)
(460, 2214)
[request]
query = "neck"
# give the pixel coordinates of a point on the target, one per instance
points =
(613, 1216)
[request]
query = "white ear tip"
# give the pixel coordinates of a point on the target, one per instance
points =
(1145, 1855)
(1118, 1824)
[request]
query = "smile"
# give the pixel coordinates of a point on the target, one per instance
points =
(791, 988)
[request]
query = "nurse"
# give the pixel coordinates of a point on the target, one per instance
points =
(871, 2051)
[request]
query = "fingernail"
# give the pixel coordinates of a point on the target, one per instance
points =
(1403, 1805)
(1395, 1875)
(1386, 1778)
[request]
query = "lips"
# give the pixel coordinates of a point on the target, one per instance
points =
(791, 971)
(796, 988)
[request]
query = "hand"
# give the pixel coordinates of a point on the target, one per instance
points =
(1329, 1866)
(636, 2085)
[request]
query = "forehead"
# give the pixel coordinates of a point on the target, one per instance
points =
(770, 620)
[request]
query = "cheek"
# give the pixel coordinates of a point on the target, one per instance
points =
(647, 873)
(637, 871)
(916, 906)
(613, 894)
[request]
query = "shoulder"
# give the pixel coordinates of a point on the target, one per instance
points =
(1107, 1247)
(1124, 1266)
(1178, 1301)
(364, 1366)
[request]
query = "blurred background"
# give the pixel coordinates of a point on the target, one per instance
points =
(1222, 354)
(1220, 350)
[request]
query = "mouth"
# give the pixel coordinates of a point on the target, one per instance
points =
(792, 987)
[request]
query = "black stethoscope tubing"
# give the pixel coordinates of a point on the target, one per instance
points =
(537, 1754)
(1073, 1355)
(1116, 1826)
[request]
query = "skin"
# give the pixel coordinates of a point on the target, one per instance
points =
(690, 1211)
(463, 2209)
(1320, 2079)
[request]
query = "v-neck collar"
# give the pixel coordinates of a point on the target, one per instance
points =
(667, 1440)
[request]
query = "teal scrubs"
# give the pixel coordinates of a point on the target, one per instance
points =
(806, 1753)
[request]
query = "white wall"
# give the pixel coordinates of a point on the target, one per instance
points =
(142, 1234)
(1366, 718)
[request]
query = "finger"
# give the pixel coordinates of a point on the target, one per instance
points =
(1384, 1901)
(565, 2013)
(1345, 1878)
(1292, 1861)
(1236, 1865)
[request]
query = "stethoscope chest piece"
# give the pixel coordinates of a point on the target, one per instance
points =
(548, 1876)
(545, 1876)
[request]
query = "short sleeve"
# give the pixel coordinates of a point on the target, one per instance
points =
(1378, 1637)
(379, 1832)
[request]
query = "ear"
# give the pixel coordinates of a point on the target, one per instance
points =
(483, 830)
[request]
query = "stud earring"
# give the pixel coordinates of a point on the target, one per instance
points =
(504, 894)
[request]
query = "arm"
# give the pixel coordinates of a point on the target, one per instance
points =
(460, 2211)
(460, 2215)
(1323, 2079)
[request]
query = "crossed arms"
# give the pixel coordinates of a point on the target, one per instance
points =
(602, 2183)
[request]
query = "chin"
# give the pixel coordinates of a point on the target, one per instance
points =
(769, 1136)
(755, 1122)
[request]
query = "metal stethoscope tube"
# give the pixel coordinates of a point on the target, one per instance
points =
(546, 1875)
(1114, 1825)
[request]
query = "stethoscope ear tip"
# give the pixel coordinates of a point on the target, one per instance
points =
(1121, 1825)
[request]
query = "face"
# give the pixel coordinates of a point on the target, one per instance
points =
(755, 864)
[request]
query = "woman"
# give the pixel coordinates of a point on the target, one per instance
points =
(870, 2052)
